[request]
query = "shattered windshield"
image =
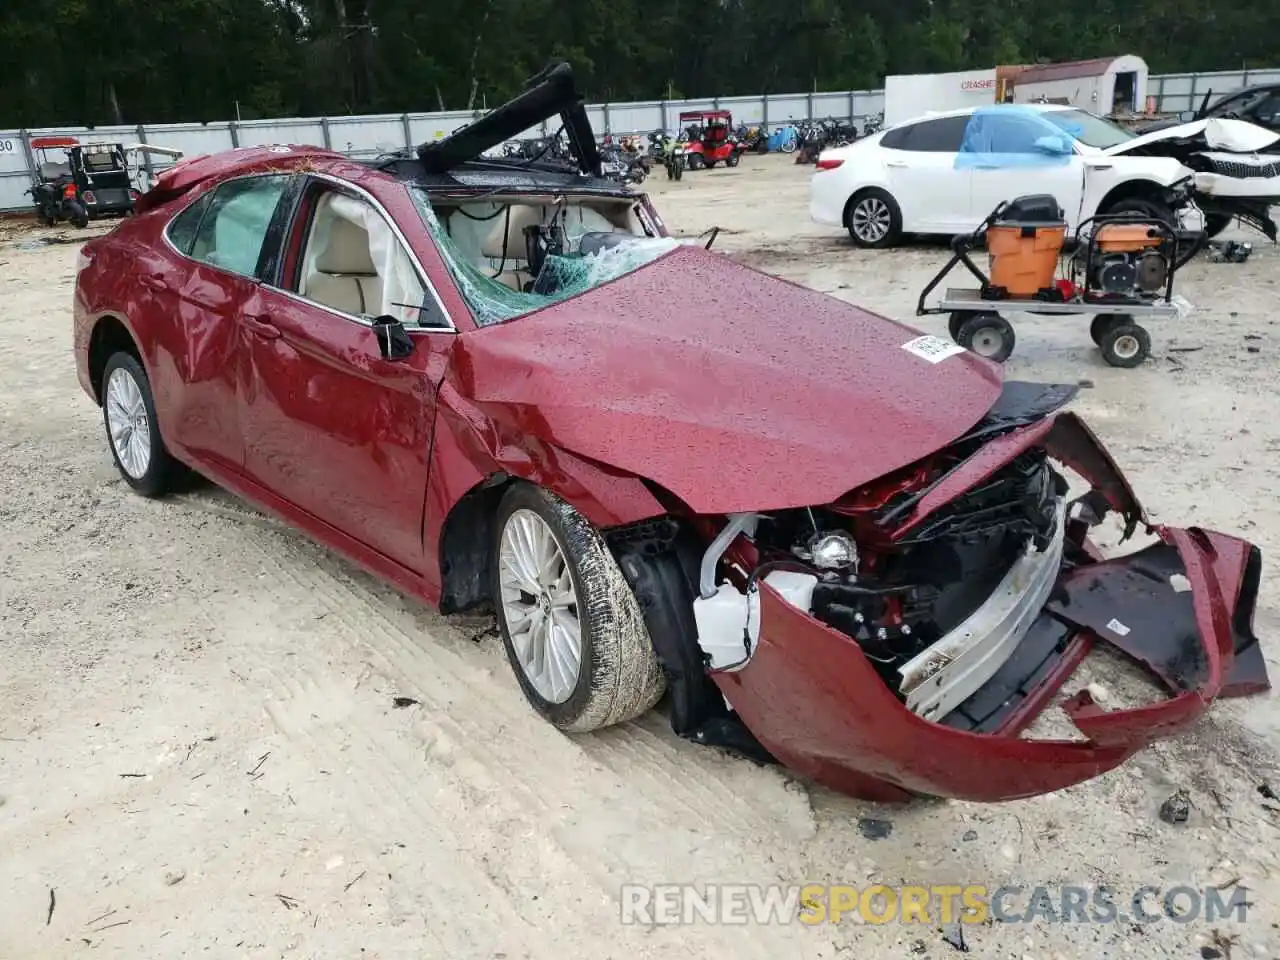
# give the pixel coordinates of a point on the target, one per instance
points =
(1092, 131)
(487, 253)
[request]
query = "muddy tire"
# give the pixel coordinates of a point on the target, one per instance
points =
(572, 628)
(133, 432)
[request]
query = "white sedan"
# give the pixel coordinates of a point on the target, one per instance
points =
(945, 173)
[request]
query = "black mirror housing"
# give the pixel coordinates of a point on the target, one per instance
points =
(394, 342)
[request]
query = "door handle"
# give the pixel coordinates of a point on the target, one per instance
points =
(895, 163)
(1100, 166)
(268, 331)
(153, 282)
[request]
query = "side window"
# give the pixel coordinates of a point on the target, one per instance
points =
(233, 229)
(353, 262)
(182, 228)
(896, 138)
(943, 135)
(1014, 134)
(1267, 110)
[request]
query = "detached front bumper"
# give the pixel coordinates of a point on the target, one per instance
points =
(813, 700)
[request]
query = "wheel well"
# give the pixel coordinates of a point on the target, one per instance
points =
(1130, 190)
(466, 554)
(109, 336)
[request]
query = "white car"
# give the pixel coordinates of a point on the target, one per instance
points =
(933, 175)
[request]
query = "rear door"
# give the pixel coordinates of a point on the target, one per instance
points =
(222, 240)
(920, 160)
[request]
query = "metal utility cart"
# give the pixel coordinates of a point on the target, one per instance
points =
(1121, 272)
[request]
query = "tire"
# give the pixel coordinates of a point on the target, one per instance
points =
(1125, 345)
(1160, 211)
(695, 161)
(732, 160)
(989, 335)
(617, 676)
(788, 146)
(710, 164)
(1215, 223)
(1103, 322)
(873, 219)
(954, 322)
(133, 432)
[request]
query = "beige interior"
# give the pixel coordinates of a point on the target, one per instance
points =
(480, 230)
(340, 272)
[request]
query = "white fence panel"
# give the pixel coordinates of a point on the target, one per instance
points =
(365, 136)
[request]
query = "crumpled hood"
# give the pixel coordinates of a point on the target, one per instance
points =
(733, 389)
(1232, 136)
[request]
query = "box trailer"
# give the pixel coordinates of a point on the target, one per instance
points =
(1110, 85)
(1104, 86)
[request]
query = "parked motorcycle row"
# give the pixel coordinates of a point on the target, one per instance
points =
(707, 141)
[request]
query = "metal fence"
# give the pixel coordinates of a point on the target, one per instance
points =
(366, 136)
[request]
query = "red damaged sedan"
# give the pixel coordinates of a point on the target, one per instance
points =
(833, 542)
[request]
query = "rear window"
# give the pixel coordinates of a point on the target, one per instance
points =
(182, 228)
(943, 135)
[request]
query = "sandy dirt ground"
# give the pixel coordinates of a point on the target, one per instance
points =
(200, 756)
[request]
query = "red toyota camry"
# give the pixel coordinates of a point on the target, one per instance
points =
(833, 542)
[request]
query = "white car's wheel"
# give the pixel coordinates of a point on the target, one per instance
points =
(873, 219)
(572, 628)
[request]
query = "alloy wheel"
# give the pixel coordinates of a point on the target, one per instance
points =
(871, 219)
(128, 423)
(540, 606)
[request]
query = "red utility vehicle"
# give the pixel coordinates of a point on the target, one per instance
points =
(834, 542)
(711, 139)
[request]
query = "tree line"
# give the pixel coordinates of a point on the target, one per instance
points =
(94, 62)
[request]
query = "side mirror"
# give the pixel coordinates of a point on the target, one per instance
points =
(1186, 116)
(1053, 146)
(394, 341)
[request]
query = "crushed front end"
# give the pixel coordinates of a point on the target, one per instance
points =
(899, 642)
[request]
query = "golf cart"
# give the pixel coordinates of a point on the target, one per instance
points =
(711, 139)
(90, 180)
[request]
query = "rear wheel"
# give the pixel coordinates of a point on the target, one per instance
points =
(573, 630)
(873, 219)
(129, 414)
(1103, 322)
(989, 335)
(732, 160)
(695, 161)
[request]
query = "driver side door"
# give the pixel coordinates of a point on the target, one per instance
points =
(1015, 167)
(334, 428)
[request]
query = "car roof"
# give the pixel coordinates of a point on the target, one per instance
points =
(967, 111)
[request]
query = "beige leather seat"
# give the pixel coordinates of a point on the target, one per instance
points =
(342, 275)
(506, 242)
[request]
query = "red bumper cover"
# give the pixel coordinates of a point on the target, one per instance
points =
(812, 698)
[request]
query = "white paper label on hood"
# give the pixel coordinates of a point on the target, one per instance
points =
(933, 349)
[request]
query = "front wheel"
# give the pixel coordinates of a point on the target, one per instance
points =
(731, 160)
(77, 214)
(572, 628)
(695, 161)
(873, 219)
(1125, 344)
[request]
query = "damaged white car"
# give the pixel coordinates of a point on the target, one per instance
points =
(944, 173)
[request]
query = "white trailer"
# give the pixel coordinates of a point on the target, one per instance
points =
(1109, 85)
(907, 96)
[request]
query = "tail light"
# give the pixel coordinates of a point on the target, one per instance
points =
(830, 163)
(69, 191)
(89, 197)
